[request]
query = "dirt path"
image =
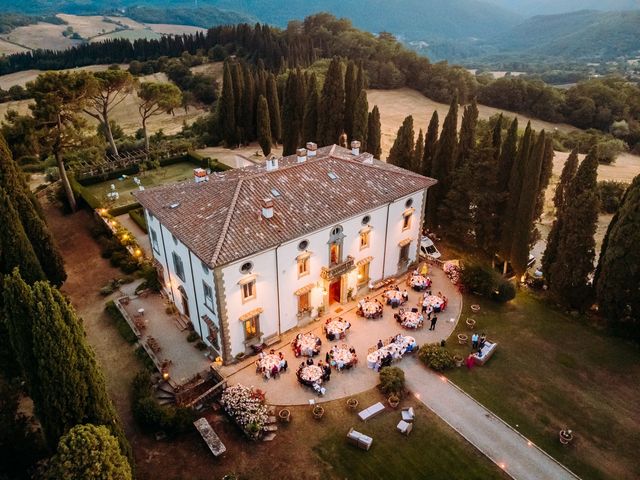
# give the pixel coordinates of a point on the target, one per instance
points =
(87, 272)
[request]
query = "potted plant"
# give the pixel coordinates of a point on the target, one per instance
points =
(471, 323)
(566, 436)
(394, 401)
(253, 429)
(285, 415)
(352, 403)
(458, 360)
(318, 412)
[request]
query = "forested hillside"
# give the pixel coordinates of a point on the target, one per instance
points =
(585, 34)
(549, 7)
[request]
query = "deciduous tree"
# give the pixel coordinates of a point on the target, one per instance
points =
(114, 86)
(156, 99)
(59, 99)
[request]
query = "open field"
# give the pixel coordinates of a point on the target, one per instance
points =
(551, 371)
(26, 76)
(213, 68)
(41, 35)
(8, 48)
(87, 26)
(169, 29)
(152, 178)
(128, 35)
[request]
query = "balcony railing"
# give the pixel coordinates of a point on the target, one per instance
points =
(334, 271)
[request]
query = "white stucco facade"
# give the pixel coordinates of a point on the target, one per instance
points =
(282, 295)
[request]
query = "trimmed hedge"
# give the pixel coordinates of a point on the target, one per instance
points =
(137, 215)
(121, 324)
(124, 209)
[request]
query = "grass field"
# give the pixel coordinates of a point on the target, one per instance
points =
(169, 29)
(87, 26)
(551, 371)
(41, 35)
(8, 48)
(152, 178)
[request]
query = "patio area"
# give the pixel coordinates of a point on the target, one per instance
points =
(363, 334)
(163, 336)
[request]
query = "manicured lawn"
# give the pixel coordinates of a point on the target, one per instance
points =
(152, 178)
(432, 450)
(552, 371)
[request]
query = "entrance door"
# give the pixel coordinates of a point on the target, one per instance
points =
(185, 301)
(334, 292)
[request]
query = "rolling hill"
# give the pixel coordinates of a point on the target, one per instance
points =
(585, 34)
(550, 7)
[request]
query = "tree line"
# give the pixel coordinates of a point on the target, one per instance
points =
(596, 103)
(336, 111)
(42, 340)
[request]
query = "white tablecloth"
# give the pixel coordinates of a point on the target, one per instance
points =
(307, 343)
(418, 281)
(336, 327)
(268, 361)
(435, 301)
(397, 350)
(411, 319)
(312, 373)
(394, 294)
(342, 355)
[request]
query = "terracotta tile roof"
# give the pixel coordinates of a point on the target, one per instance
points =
(221, 222)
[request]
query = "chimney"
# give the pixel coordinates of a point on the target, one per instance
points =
(355, 147)
(267, 207)
(302, 154)
(272, 163)
(311, 149)
(200, 175)
(367, 158)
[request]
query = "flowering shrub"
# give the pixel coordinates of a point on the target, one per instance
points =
(453, 272)
(246, 407)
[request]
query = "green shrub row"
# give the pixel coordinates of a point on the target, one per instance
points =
(153, 417)
(121, 324)
(137, 215)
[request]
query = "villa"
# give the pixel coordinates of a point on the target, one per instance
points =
(251, 253)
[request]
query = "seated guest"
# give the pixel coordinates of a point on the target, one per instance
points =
(274, 371)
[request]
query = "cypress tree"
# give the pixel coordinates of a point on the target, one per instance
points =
(65, 382)
(360, 119)
(301, 95)
(331, 110)
(570, 272)
(566, 177)
(418, 153)
(226, 108)
(361, 81)
(467, 134)
(310, 120)
(509, 217)
(545, 175)
(291, 120)
(401, 153)
(15, 248)
(264, 126)
(430, 145)
(496, 138)
(617, 278)
(274, 109)
(443, 162)
(524, 225)
(248, 104)
(238, 97)
(508, 153)
(34, 226)
(350, 96)
(374, 145)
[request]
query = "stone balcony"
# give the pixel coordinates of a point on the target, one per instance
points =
(335, 271)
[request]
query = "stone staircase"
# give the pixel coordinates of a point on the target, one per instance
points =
(165, 394)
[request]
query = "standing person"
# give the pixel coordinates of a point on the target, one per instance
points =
(434, 320)
(425, 305)
(483, 338)
(380, 344)
(474, 340)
